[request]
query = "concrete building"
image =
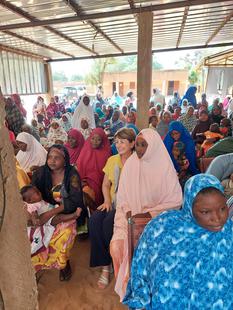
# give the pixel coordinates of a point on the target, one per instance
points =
(167, 81)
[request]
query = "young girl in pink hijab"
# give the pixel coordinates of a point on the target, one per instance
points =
(148, 184)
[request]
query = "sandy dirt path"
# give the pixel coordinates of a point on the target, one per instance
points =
(81, 292)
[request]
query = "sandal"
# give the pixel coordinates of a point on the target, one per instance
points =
(104, 278)
(66, 273)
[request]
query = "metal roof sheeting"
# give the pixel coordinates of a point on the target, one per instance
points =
(80, 28)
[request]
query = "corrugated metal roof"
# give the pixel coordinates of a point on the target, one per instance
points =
(80, 28)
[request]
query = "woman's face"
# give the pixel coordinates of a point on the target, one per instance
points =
(166, 118)
(203, 117)
(131, 117)
(175, 135)
(86, 100)
(21, 145)
(96, 141)
(72, 142)
(190, 111)
(123, 146)
(55, 159)
(216, 111)
(211, 211)
(140, 146)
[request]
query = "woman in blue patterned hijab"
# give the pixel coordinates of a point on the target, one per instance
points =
(184, 258)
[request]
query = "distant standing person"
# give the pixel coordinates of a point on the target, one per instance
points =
(157, 97)
(190, 95)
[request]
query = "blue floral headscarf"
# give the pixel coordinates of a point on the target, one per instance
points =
(180, 265)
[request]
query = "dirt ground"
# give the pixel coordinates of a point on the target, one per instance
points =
(81, 292)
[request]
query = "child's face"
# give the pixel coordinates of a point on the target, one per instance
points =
(231, 177)
(34, 123)
(54, 125)
(166, 118)
(84, 124)
(32, 195)
(175, 152)
(211, 211)
(214, 128)
(64, 118)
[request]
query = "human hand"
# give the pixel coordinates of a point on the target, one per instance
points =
(78, 212)
(106, 206)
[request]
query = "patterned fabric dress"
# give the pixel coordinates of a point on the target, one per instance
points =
(180, 265)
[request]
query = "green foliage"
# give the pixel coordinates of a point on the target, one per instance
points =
(60, 76)
(156, 65)
(99, 66)
(76, 77)
(193, 77)
(129, 63)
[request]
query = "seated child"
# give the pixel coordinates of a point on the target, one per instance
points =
(212, 136)
(225, 127)
(153, 122)
(228, 186)
(178, 151)
(42, 218)
(85, 127)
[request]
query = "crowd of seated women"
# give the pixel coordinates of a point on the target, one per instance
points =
(87, 168)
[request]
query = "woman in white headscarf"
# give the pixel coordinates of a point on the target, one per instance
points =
(83, 110)
(56, 134)
(31, 152)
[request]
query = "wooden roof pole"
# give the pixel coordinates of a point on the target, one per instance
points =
(144, 71)
(186, 11)
(18, 283)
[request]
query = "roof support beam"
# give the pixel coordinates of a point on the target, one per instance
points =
(151, 8)
(13, 34)
(32, 19)
(133, 6)
(79, 11)
(18, 51)
(186, 11)
(226, 20)
(162, 50)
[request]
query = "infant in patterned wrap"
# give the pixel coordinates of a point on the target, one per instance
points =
(39, 217)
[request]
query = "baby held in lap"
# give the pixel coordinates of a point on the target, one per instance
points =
(42, 218)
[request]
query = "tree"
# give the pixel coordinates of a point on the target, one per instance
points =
(60, 76)
(190, 60)
(193, 77)
(156, 65)
(76, 77)
(99, 66)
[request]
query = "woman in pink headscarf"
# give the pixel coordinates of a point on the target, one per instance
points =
(91, 162)
(148, 184)
(74, 144)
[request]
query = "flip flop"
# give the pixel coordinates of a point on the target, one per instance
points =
(66, 273)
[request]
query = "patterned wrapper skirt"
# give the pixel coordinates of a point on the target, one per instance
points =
(58, 251)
